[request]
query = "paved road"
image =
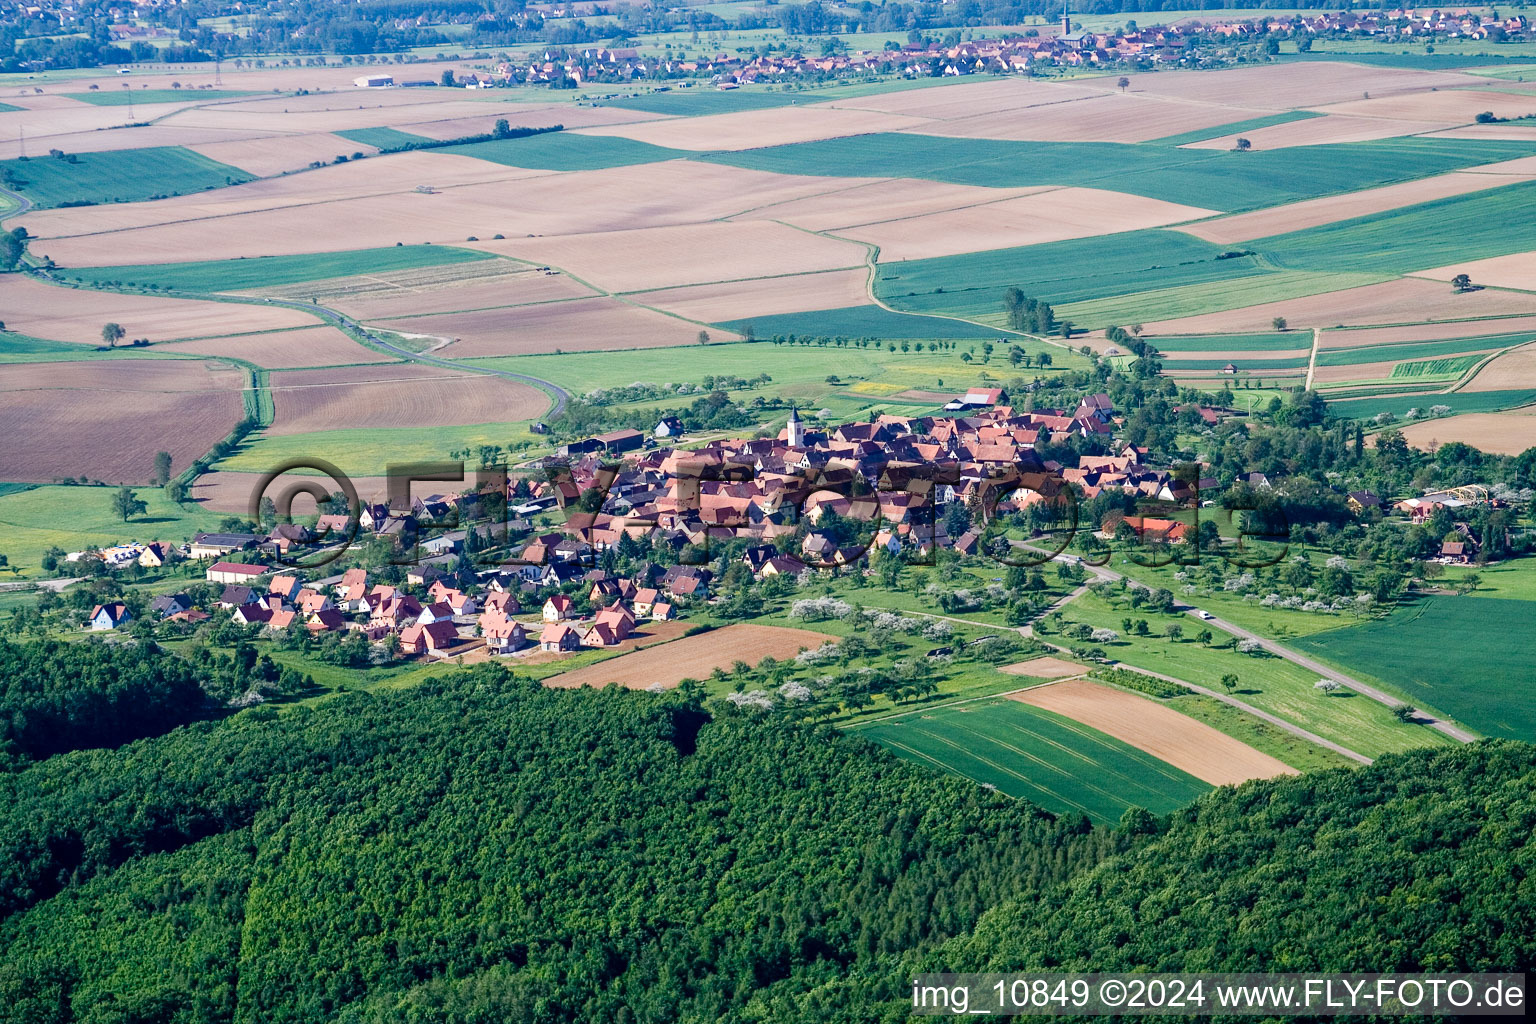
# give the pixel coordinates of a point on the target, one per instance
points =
(1455, 732)
(53, 585)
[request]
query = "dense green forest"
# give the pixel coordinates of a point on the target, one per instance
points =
(483, 849)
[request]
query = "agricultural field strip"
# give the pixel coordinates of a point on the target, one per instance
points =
(1403, 352)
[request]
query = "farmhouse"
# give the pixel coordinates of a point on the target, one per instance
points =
(215, 545)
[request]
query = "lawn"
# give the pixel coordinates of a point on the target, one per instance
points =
(123, 97)
(381, 138)
(972, 284)
(1038, 756)
(1222, 180)
(124, 176)
(1266, 682)
(1433, 234)
(73, 518)
(564, 151)
(861, 322)
(1418, 349)
(270, 271)
(1466, 656)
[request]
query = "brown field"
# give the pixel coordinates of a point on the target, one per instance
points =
(305, 346)
(1317, 131)
(1367, 336)
(279, 114)
(1517, 270)
(1186, 744)
(1314, 212)
(106, 419)
(649, 258)
(768, 296)
(1300, 85)
(289, 79)
(1372, 371)
(1044, 668)
(951, 102)
(694, 657)
(529, 116)
(457, 287)
(754, 129)
(77, 314)
(1509, 371)
(580, 325)
(870, 200)
(1028, 220)
(1516, 132)
(373, 203)
(396, 395)
(1456, 106)
(76, 127)
(268, 156)
(1498, 433)
(1106, 118)
(1386, 303)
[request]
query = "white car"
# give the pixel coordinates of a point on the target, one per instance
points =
(1204, 614)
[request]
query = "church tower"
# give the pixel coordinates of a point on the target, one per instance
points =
(796, 429)
(1066, 19)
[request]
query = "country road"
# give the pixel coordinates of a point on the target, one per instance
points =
(1455, 732)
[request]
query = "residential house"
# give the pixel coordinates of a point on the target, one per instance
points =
(432, 637)
(167, 605)
(156, 554)
(559, 608)
(559, 636)
(502, 635)
(109, 616)
(215, 545)
(435, 612)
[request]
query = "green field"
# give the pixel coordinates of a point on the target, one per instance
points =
(1039, 756)
(1173, 365)
(1251, 124)
(124, 176)
(564, 151)
(1274, 341)
(1418, 349)
(7, 108)
(367, 452)
(270, 271)
(1211, 296)
(123, 97)
(1459, 401)
(1444, 231)
(1466, 656)
(20, 348)
(861, 322)
(972, 284)
(73, 518)
(696, 101)
(1222, 180)
(1268, 683)
(1452, 367)
(381, 138)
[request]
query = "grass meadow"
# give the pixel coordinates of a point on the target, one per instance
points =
(124, 176)
(862, 322)
(1039, 756)
(382, 138)
(1269, 683)
(270, 271)
(565, 151)
(72, 518)
(1466, 656)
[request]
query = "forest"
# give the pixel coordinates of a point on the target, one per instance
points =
(483, 849)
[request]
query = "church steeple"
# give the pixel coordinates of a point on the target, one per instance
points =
(796, 436)
(1066, 18)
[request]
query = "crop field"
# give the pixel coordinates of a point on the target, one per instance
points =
(122, 97)
(700, 102)
(396, 395)
(381, 138)
(1155, 728)
(1517, 270)
(449, 288)
(125, 176)
(77, 314)
(1274, 341)
(769, 296)
(1271, 288)
(1453, 366)
(1375, 353)
(302, 346)
(1481, 673)
(1177, 365)
(566, 151)
(106, 420)
(265, 272)
(1234, 128)
(297, 152)
(751, 129)
(1500, 433)
(1037, 755)
(363, 453)
(861, 322)
(1458, 401)
(693, 657)
(1241, 181)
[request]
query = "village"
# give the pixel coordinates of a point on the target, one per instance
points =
(811, 498)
